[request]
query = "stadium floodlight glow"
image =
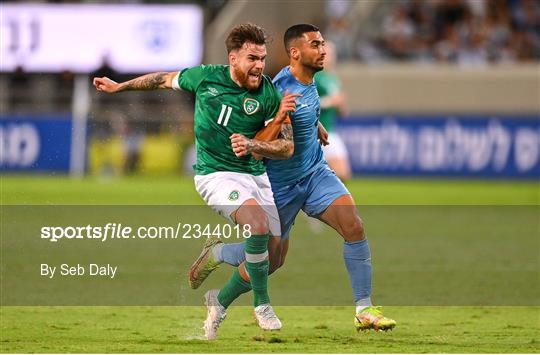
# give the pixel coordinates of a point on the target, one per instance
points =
(132, 38)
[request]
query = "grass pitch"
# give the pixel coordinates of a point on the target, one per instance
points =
(312, 329)
(306, 330)
(173, 190)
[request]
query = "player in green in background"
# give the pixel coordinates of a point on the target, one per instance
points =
(332, 106)
(232, 102)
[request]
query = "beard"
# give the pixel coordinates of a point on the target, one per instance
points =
(245, 80)
(314, 65)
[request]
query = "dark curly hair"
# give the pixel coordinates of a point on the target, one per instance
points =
(246, 32)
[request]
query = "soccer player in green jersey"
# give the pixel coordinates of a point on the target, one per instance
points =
(232, 103)
(332, 106)
(305, 182)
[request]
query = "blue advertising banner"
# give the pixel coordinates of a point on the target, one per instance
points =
(35, 143)
(461, 145)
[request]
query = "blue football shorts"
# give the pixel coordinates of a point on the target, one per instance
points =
(312, 194)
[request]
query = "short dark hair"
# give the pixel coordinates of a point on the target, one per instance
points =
(246, 32)
(295, 32)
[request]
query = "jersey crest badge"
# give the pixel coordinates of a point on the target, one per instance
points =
(251, 106)
(233, 196)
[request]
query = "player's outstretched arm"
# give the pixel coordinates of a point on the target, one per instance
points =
(280, 148)
(152, 81)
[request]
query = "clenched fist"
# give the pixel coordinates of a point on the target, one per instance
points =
(106, 85)
(241, 145)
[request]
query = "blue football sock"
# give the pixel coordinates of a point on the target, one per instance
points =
(358, 261)
(232, 253)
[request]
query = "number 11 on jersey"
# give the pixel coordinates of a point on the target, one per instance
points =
(227, 116)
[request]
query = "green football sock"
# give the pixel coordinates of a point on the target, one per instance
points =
(257, 267)
(233, 289)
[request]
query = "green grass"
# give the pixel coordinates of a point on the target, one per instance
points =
(481, 263)
(175, 190)
(306, 330)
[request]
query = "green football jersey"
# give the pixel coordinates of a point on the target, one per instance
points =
(327, 84)
(223, 108)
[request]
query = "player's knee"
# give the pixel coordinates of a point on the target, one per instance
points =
(354, 231)
(259, 224)
(255, 217)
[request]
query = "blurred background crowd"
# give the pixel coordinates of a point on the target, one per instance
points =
(466, 32)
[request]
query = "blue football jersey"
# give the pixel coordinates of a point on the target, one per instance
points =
(308, 154)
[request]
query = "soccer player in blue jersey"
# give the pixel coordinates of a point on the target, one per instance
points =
(305, 182)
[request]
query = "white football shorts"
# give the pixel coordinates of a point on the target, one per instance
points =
(226, 191)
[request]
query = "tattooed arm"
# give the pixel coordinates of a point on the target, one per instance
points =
(280, 148)
(161, 80)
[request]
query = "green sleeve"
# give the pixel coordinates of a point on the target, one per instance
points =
(273, 103)
(190, 78)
